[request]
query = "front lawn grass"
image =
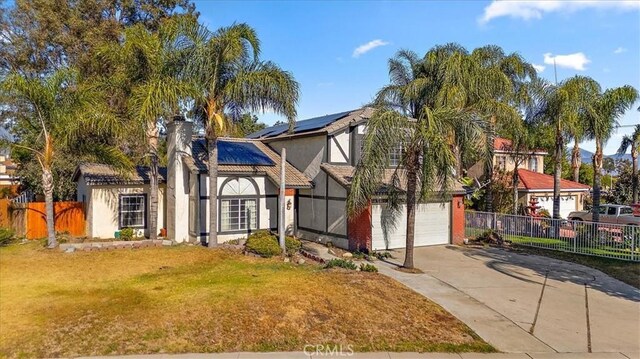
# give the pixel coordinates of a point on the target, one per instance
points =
(192, 299)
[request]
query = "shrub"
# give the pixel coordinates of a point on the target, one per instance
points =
(340, 263)
(6, 236)
(263, 244)
(293, 245)
(366, 267)
(490, 236)
(383, 255)
(126, 234)
(359, 255)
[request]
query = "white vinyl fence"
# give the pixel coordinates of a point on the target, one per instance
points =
(590, 238)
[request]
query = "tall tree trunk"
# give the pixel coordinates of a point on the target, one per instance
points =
(576, 161)
(489, 166)
(557, 173)
(597, 178)
(411, 209)
(634, 173)
(47, 185)
(212, 149)
(458, 153)
(514, 183)
(153, 181)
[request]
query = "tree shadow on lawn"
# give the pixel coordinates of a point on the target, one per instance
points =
(508, 263)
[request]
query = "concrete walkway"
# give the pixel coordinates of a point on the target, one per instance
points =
(377, 355)
(528, 304)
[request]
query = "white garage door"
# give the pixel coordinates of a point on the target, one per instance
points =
(567, 205)
(432, 227)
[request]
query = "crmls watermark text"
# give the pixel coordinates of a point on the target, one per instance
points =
(328, 350)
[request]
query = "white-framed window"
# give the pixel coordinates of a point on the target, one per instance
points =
(238, 214)
(133, 211)
(395, 156)
(501, 162)
(533, 164)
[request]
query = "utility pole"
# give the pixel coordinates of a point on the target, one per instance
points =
(281, 201)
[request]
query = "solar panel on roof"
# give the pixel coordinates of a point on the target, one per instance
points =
(300, 126)
(241, 153)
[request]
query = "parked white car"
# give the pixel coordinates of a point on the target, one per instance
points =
(609, 213)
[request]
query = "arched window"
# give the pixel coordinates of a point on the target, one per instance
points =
(238, 205)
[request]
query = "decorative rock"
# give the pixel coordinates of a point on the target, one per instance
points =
(70, 250)
(287, 259)
(301, 261)
(347, 255)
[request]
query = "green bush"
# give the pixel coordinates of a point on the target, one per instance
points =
(263, 244)
(382, 255)
(340, 263)
(266, 244)
(126, 234)
(6, 236)
(366, 267)
(293, 245)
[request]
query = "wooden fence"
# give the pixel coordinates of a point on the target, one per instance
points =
(29, 219)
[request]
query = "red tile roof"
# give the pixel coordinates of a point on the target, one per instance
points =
(502, 144)
(530, 180)
(505, 145)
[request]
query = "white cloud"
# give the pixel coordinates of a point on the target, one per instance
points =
(539, 68)
(528, 10)
(619, 50)
(363, 49)
(575, 61)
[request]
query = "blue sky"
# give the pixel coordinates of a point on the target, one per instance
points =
(317, 41)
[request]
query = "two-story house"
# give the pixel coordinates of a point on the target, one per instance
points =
(321, 155)
(533, 182)
(327, 149)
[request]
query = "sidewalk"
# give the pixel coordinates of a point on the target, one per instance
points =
(382, 355)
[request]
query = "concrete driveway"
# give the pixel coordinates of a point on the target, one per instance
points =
(525, 303)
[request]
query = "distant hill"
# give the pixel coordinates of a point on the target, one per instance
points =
(588, 155)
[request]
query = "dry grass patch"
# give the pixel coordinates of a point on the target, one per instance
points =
(191, 299)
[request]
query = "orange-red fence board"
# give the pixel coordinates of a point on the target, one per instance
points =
(68, 218)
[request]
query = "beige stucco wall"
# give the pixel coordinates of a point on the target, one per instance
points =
(478, 170)
(525, 198)
(340, 141)
(510, 163)
(102, 209)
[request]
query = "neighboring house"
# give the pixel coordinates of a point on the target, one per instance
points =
(326, 149)
(504, 160)
(532, 181)
(321, 157)
(7, 171)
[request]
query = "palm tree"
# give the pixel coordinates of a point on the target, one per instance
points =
(577, 132)
(232, 80)
(632, 141)
(502, 91)
(415, 113)
(601, 122)
(146, 65)
(560, 107)
(62, 109)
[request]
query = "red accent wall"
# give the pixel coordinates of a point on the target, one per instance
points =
(288, 191)
(457, 220)
(359, 231)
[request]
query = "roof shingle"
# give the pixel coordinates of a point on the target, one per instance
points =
(101, 174)
(535, 181)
